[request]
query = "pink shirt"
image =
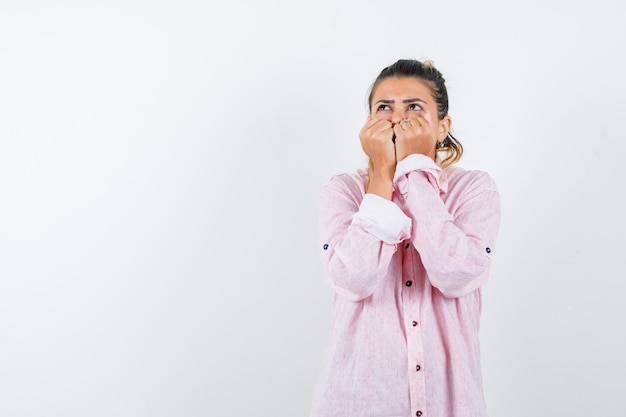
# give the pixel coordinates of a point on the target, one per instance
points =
(407, 275)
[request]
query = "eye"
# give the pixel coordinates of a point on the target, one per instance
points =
(382, 107)
(415, 107)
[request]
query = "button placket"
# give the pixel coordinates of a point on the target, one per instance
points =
(411, 308)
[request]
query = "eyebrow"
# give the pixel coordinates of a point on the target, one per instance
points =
(408, 100)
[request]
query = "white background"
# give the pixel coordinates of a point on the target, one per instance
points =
(159, 170)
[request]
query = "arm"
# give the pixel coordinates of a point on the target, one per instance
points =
(357, 239)
(454, 248)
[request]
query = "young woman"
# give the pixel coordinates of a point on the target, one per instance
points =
(406, 246)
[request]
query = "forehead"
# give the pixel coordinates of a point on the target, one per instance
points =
(405, 87)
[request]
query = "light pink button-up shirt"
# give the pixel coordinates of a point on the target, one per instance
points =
(407, 275)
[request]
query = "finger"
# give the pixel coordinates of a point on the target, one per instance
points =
(418, 125)
(380, 122)
(429, 127)
(385, 134)
(424, 120)
(406, 123)
(369, 122)
(401, 131)
(373, 121)
(381, 127)
(370, 129)
(398, 129)
(381, 132)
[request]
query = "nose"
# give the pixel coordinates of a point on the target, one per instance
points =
(398, 116)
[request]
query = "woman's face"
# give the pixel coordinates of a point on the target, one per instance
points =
(395, 99)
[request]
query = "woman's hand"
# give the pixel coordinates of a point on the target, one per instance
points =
(415, 135)
(377, 142)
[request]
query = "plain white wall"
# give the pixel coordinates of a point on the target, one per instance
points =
(159, 170)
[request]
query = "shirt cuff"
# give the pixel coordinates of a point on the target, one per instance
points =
(416, 162)
(383, 219)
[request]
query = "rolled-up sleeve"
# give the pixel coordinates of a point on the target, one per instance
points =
(358, 236)
(455, 246)
(383, 219)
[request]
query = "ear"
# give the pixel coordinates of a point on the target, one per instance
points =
(444, 128)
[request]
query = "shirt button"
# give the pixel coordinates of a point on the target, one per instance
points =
(407, 246)
(414, 323)
(325, 246)
(408, 283)
(418, 414)
(417, 368)
(488, 250)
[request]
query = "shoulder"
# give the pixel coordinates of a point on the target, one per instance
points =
(352, 184)
(461, 180)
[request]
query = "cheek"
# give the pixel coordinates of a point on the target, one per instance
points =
(428, 119)
(424, 114)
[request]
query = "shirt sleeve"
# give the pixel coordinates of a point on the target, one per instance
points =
(455, 249)
(358, 238)
(383, 219)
